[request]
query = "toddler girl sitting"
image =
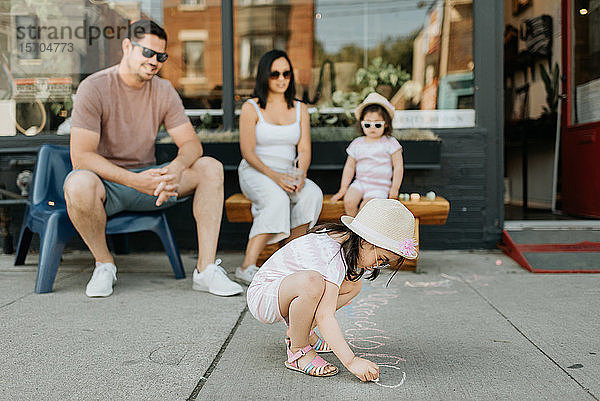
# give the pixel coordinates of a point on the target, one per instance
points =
(375, 157)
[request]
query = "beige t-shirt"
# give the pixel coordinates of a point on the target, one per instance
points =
(126, 118)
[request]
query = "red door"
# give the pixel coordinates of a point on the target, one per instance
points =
(580, 142)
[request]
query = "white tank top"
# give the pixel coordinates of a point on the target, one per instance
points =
(276, 144)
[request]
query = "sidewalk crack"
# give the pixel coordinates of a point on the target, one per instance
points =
(66, 276)
(15, 300)
(214, 363)
(587, 390)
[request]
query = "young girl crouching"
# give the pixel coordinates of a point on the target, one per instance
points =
(306, 281)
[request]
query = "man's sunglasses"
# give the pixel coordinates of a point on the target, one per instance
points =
(376, 124)
(149, 53)
(276, 74)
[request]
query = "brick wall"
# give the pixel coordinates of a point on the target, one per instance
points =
(299, 45)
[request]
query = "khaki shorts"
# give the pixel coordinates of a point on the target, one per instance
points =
(121, 198)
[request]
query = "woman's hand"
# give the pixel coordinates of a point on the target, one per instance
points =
(364, 369)
(285, 181)
(301, 179)
(339, 195)
(393, 194)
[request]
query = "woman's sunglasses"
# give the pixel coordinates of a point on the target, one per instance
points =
(149, 53)
(276, 74)
(376, 124)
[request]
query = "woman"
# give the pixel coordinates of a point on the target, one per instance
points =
(274, 137)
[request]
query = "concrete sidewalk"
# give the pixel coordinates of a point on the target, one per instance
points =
(465, 329)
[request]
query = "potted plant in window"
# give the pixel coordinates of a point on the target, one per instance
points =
(382, 77)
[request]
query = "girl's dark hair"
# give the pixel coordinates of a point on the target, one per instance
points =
(378, 109)
(350, 248)
(263, 75)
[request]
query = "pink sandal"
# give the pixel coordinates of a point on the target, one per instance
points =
(320, 346)
(316, 367)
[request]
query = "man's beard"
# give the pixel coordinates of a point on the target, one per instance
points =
(140, 76)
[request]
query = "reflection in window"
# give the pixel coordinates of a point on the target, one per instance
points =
(586, 61)
(194, 67)
(28, 41)
(135, 9)
(418, 54)
(252, 49)
(262, 25)
(193, 58)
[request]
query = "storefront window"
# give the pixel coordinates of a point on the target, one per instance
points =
(192, 57)
(48, 47)
(416, 53)
(586, 61)
(195, 53)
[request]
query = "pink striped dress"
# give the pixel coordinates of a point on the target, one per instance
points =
(318, 252)
(373, 165)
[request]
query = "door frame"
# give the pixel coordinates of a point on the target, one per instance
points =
(579, 144)
(567, 58)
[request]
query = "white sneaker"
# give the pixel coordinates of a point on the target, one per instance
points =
(103, 278)
(246, 275)
(214, 279)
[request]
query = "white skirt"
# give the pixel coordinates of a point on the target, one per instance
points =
(274, 210)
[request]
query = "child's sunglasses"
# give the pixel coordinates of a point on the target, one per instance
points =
(383, 265)
(149, 53)
(376, 124)
(276, 74)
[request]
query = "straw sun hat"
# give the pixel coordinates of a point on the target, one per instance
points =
(388, 224)
(375, 98)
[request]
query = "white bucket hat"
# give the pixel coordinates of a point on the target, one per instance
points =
(388, 224)
(375, 98)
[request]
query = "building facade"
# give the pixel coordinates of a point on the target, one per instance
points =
(450, 67)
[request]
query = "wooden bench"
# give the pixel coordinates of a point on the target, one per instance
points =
(428, 212)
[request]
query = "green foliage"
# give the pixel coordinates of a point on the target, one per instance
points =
(551, 84)
(318, 134)
(321, 119)
(349, 100)
(58, 107)
(380, 73)
(396, 51)
(366, 80)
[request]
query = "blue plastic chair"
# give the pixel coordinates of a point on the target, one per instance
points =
(47, 216)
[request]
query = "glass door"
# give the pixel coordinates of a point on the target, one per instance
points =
(581, 114)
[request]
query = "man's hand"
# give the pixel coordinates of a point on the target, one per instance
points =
(170, 183)
(148, 180)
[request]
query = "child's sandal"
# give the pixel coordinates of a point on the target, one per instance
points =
(320, 346)
(316, 367)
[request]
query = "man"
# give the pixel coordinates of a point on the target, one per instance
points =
(116, 117)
